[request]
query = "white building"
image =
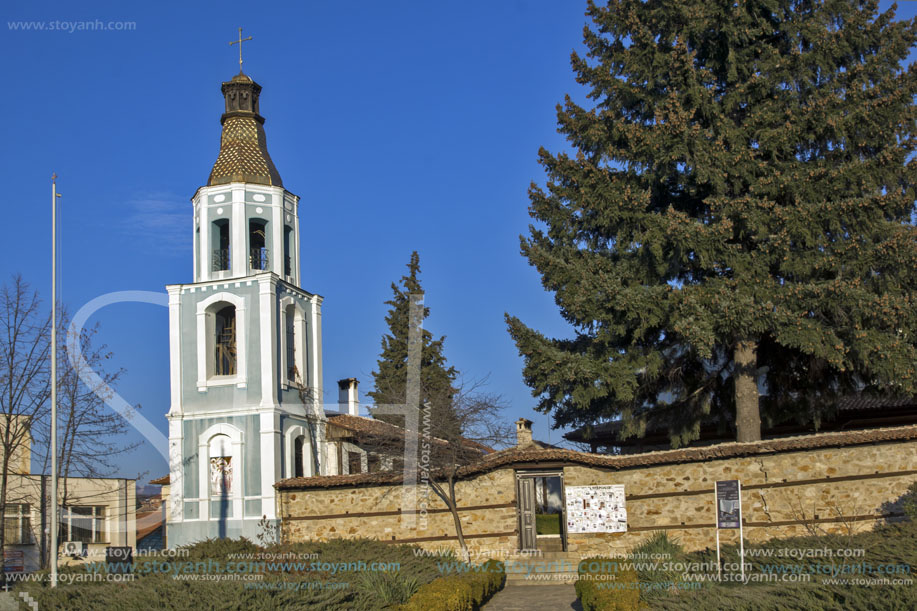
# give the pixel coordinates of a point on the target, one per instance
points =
(245, 343)
(95, 513)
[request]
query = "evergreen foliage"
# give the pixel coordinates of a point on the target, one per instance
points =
(204, 579)
(737, 211)
(890, 551)
(437, 378)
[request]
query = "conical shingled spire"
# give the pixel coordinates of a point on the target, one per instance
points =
(243, 146)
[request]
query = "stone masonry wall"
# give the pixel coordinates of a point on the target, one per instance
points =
(374, 511)
(835, 490)
(783, 495)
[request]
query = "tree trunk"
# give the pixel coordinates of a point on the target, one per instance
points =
(748, 413)
(449, 499)
(43, 560)
(453, 509)
(4, 483)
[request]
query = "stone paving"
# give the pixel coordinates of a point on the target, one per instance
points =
(534, 598)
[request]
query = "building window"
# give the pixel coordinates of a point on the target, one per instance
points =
(374, 462)
(17, 524)
(220, 240)
(257, 243)
(294, 368)
(354, 464)
(86, 524)
(221, 341)
(298, 456)
(290, 331)
(287, 251)
(225, 341)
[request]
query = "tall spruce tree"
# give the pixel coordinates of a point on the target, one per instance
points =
(737, 215)
(437, 378)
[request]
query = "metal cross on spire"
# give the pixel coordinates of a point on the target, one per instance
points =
(239, 42)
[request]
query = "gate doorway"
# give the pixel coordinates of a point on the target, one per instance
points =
(542, 519)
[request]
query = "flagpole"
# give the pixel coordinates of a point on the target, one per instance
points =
(54, 526)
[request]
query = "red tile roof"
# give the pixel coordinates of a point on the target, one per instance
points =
(370, 426)
(517, 456)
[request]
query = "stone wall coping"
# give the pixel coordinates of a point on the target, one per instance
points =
(532, 456)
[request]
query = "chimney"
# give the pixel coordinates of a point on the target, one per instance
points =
(523, 433)
(349, 396)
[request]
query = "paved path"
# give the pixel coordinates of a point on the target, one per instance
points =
(10, 602)
(534, 598)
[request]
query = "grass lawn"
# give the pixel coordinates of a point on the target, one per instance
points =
(548, 523)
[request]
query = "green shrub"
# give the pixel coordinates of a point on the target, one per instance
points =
(350, 590)
(606, 584)
(909, 502)
(465, 592)
(657, 545)
(886, 544)
(218, 549)
(656, 550)
(423, 566)
(388, 588)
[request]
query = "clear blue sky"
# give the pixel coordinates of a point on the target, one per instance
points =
(402, 126)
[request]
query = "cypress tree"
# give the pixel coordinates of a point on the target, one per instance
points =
(736, 214)
(437, 378)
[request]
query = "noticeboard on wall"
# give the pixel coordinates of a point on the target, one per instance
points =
(596, 509)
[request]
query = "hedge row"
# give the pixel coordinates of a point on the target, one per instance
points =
(465, 592)
(604, 585)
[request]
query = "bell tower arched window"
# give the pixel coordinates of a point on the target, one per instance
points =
(287, 251)
(293, 366)
(257, 243)
(220, 241)
(298, 456)
(299, 459)
(221, 341)
(290, 330)
(224, 341)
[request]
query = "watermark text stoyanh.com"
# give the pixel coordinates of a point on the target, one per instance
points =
(69, 27)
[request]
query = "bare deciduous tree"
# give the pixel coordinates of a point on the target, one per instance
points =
(89, 432)
(444, 449)
(24, 381)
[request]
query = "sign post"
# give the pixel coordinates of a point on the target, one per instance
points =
(729, 516)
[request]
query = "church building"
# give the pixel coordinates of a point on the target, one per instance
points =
(245, 343)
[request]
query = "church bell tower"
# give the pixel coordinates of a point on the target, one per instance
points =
(245, 342)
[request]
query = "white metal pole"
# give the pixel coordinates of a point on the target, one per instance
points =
(741, 535)
(53, 550)
(716, 525)
(719, 565)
